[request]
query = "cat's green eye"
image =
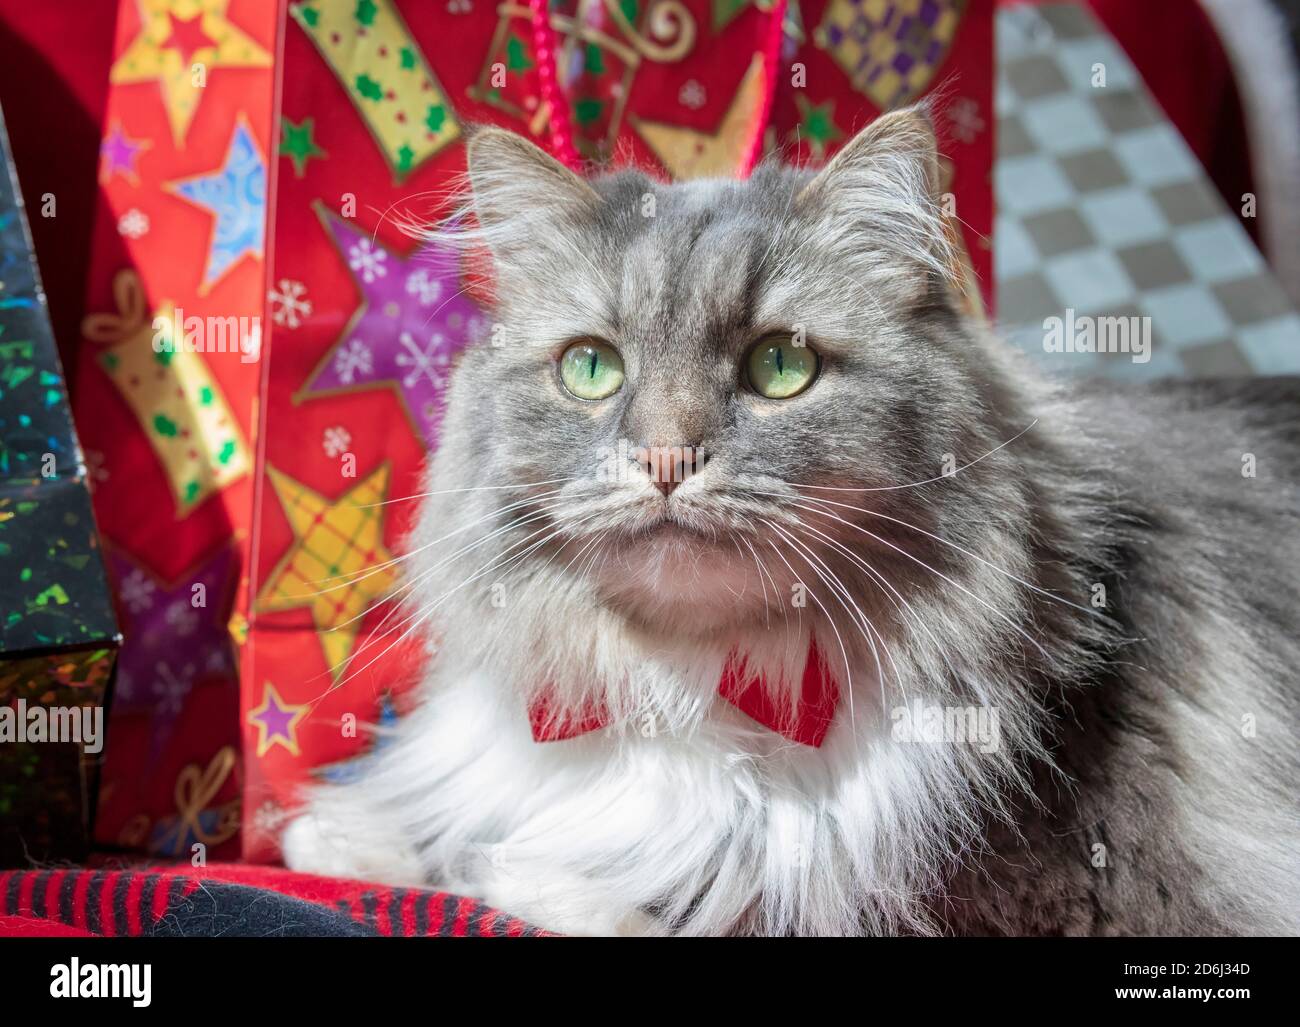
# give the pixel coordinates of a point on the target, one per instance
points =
(591, 369)
(778, 369)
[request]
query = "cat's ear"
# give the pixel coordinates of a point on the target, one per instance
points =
(896, 151)
(516, 183)
(884, 187)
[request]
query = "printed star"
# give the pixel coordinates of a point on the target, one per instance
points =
(817, 125)
(169, 644)
(118, 152)
(235, 194)
(276, 721)
(337, 566)
(187, 36)
(297, 144)
(688, 153)
(412, 321)
(176, 36)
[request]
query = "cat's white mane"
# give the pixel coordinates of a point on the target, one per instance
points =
(686, 809)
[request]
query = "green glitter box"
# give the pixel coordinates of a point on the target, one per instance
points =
(58, 632)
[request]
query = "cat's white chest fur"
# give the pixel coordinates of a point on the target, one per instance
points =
(637, 828)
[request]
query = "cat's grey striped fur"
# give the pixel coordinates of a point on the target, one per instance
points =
(1098, 571)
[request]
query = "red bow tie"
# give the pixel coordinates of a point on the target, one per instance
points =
(818, 697)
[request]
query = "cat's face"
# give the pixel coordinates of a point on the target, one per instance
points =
(678, 364)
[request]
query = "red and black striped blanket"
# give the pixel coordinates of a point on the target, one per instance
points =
(233, 900)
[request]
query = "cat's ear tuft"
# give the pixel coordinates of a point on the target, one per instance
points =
(897, 150)
(878, 201)
(515, 182)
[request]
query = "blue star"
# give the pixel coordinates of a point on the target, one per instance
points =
(235, 194)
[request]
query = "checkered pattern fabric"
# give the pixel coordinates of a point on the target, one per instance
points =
(1105, 211)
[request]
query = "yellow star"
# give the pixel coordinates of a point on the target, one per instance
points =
(276, 721)
(688, 153)
(180, 43)
(337, 566)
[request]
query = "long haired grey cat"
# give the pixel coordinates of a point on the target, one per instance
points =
(768, 594)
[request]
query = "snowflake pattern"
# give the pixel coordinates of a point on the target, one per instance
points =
(124, 686)
(134, 224)
(424, 287)
(181, 618)
(216, 662)
(137, 591)
(171, 687)
(692, 95)
(335, 441)
(431, 362)
(367, 260)
(289, 303)
(353, 359)
(964, 119)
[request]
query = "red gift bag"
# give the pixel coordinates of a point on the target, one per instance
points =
(167, 380)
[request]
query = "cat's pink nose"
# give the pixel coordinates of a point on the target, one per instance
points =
(669, 466)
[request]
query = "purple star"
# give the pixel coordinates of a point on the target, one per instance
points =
(277, 721)
(119, 153)
(169, 643)
(413, 319)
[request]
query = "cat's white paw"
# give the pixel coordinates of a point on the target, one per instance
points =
(565, 905)
(315, 844)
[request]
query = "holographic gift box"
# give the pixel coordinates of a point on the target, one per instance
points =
(58, 633)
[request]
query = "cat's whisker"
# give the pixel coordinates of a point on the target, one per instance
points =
(462, 291)
(377, 633)
(472, 488)
(762, 570)
(974, 556)
(836, 590)
(551, 558)
(916, 484)
(848, 665)
(374, 635)
(410, 583)
(432, 607)
(917, 560)
(371, 569)
(589, 565)
(866, 628)
(870, 629)
(883, 583)
(540, 514)
(767, 609)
